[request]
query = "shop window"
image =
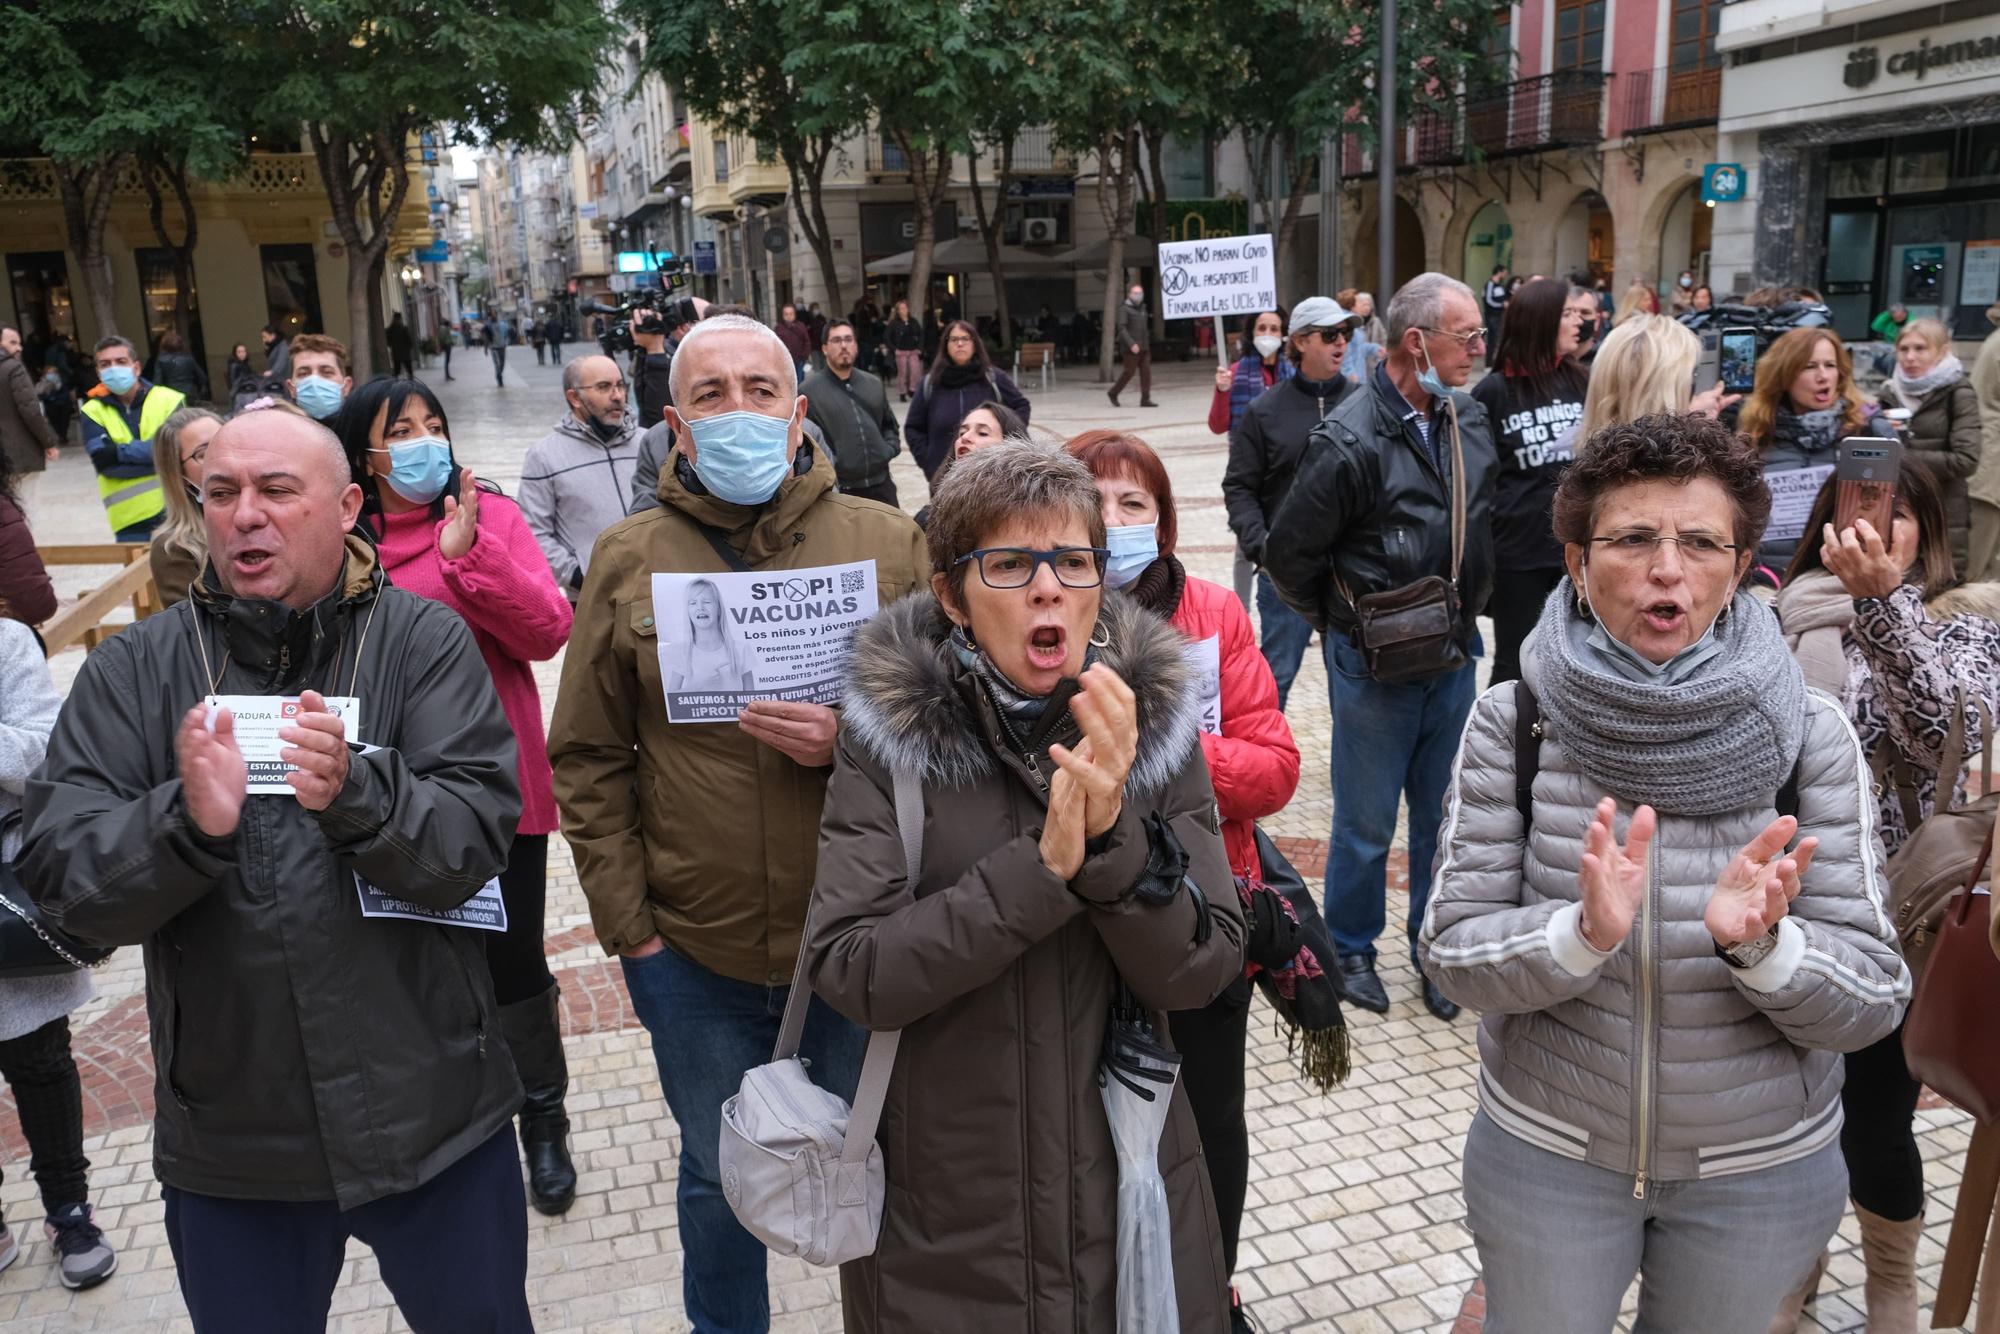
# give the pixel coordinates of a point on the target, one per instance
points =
(156, 289)
(1855, 171)
(291, 289)
(1981, 156)
(40, 282)
(1580, 34)
(1919, 163)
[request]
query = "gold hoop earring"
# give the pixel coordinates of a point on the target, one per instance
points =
(1100, 636)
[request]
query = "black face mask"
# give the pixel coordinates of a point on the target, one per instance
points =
(604, 430)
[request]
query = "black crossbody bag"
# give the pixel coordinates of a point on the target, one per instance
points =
(1410, 634)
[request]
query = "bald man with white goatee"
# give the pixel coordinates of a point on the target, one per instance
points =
(576, 481)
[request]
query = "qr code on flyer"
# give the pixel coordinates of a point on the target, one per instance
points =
(853, 581)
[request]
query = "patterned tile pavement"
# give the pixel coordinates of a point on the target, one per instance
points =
(1353, 1222)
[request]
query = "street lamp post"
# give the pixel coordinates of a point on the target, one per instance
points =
(1385, 212)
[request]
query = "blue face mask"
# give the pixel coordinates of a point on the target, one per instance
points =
(419, 469)
(319, 396)
(1133, 548)
(118, 379)
(742, 457)
(1428, 376)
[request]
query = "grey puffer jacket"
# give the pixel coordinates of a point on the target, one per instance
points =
(1659, 1059)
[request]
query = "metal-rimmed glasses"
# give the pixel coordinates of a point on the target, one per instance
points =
(1464, 340)
(1015, 567)
(1699, 548)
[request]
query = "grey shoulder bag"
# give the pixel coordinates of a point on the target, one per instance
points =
(800, 1168)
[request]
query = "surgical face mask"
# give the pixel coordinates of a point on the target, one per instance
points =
(1267, 345)
(1133, 548)
(319, 396)
(118, 379)
(742, 457)
(1428, 376)
(1687, 282)
(419, 469)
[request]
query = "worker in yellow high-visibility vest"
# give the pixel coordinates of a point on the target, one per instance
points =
(119, 421)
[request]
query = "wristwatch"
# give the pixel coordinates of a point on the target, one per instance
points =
(1749, 953)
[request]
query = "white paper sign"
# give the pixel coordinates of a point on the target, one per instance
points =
(1979, 274)
(726, 639)
(484, 911)
(1221, 275)
(1205, 656)
(257, 720)
(1792, 496)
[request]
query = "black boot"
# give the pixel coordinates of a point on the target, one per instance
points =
(534, 1035)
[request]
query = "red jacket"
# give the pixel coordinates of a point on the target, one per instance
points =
(1255, 763)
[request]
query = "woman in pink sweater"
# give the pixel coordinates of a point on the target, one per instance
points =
(444, 536)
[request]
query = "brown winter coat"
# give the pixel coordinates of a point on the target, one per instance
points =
(1944, 435)
(24, 431)
(699, 833)
(1001, 1209)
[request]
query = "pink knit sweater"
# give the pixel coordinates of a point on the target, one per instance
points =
(505, 592)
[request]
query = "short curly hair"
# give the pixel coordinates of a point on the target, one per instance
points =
(1010, 480)
(1663, 446)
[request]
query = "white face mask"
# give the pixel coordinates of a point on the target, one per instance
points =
(1267, 345)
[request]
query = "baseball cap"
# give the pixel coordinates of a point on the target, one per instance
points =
(1321, 312)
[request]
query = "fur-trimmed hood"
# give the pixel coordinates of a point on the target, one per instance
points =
(910, 702)
(1982, 599)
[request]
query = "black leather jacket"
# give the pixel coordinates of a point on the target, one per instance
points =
(1369, 507)
(1264, 452)
(301, 1051)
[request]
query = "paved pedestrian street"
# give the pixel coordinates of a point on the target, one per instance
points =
(1354, 1221)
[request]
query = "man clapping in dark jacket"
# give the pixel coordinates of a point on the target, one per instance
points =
(326, 1066)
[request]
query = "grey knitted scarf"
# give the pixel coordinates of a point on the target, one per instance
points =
(1717, 741)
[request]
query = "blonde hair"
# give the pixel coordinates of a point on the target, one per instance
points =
(1645, 365)
(1932, 331)
(1636, 301)
(183, 529)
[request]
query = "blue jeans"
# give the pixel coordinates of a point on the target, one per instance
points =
(1285, 636)
(707, 1031)
(1390, 742)
(1559, 1240)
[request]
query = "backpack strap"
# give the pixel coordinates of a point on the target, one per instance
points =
(872, 1089)
(1527, 752)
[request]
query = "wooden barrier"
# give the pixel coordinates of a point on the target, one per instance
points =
(82, 622)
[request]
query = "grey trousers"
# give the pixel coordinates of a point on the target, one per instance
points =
(1560, 1241)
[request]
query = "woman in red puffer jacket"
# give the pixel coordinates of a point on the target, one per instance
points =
(1252, 761)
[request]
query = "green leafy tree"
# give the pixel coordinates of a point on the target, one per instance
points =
(367, 77)
(730, 59)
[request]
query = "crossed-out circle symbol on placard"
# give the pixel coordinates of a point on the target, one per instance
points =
(1174, 281)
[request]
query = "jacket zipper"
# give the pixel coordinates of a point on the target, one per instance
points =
(1027, 757)
(471, 994)
(1648, 965)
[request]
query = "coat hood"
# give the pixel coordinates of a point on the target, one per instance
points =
(910, 703)
(1981, 599)
(579, 431)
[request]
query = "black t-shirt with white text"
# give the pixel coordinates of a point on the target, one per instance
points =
(1529, 430)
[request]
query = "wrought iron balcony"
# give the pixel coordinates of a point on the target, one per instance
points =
(1560, 110)
(1672, 97)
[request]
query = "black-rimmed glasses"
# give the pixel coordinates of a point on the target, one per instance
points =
(1015, 567)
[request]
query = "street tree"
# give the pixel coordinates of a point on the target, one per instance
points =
(368, 77)
(729, 60)
(1309, 71)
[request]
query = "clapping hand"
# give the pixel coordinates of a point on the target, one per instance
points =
(318, 746)
(1756, 889)
(214, 781)
(1865, 566)
(1105, 708)
(1613, 879)
(461, 519)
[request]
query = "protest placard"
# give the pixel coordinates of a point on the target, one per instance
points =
(726, 639)
(1219, 275)
(1792, 496)
(257, 720)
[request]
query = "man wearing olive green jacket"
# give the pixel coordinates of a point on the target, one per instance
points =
(1983, 554)
(696, 843)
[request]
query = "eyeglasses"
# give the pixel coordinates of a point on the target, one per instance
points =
(606, 386)
(1696, 548)
(959, 338)
(1016, 567)
(1464, 340)
(199, 455)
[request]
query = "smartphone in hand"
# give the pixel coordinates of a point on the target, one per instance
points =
(1864, 481)
(1738, 359)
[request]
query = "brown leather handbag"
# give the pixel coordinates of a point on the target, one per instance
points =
(1410, 633)
(1944, 853)
(1949, 1039)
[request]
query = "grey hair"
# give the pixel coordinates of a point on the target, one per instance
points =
(727, 323)
(1419, 304)
(573, 369)
(1012, 479)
